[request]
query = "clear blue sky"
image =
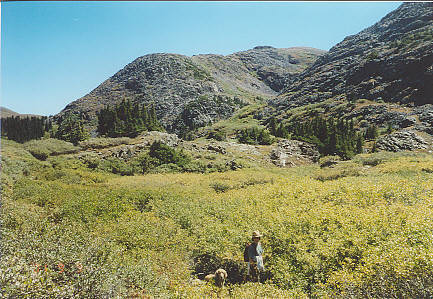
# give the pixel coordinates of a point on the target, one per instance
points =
(55, 52)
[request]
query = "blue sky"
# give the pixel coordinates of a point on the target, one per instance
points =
(55, 52)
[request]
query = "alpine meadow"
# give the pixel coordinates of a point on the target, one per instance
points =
(164, 172)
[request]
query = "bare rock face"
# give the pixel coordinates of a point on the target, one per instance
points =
(425, 116)
(401, 141)
(289, 152)
(168, 139)
(190, 92)
(390, 61)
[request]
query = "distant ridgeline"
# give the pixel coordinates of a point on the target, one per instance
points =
(127, 119)
(22, 129)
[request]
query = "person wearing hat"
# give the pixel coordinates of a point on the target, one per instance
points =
(255, 252)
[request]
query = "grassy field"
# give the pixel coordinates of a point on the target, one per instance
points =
(359, 229)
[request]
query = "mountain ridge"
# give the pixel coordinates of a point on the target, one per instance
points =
(6, 112)
(205, 87)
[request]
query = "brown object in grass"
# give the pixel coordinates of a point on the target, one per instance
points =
(219, 277)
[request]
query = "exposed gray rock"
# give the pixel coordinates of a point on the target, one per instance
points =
(382, 115)
(217, 148)
(401, 141)
(389, 61)
(425, 115)
(233, 165)
(190, 92)
(166, 138)
(288, 151)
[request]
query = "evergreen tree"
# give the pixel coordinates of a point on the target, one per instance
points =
(273, 127)
(371, 132)
(71, 129)
(126, 119)
(359, 143)
(281, 131)
(23, 129)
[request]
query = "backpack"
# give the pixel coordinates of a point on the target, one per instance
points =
(246, 257)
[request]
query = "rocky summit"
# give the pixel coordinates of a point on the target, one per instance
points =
(390, 61)
(190, 92)
(383, 75)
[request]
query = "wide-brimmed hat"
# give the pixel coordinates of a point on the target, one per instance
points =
(256, 234)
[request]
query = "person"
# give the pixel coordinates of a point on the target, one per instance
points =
(255, 255)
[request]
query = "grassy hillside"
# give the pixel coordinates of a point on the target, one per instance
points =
(361, 228)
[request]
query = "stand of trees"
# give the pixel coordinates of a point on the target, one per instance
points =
(22, 129)
(71, 129)
(127, 119)
(332, 137)
(255, 135)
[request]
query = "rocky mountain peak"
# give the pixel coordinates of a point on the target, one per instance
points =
(390, 61)
(190, 92)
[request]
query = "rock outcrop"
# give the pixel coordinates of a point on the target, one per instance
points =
(289, 153)
(401, 141)
(190, 92)
(390, 61)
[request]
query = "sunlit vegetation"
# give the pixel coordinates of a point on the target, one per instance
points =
(332, 136)
(127, 119)
(22, 129)
(255, 135)
(70, 231)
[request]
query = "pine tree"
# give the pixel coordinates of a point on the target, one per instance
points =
(359, 143)
(273, 127)
(71, 129)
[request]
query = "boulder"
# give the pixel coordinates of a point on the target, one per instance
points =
(166, 138)
(401, 141)
(288, 151)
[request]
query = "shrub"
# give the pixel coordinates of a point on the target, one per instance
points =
(328, 161)
(40, 153)
(145, 162)
(41, 149)
(373, 159)
(117, 166)
(342, 170)
(165, 154)
(220, 187)
(217, 135)
(255, 135)
(102, 142)
(91, 161)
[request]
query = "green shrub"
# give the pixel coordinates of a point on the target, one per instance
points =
(220, 187)
(117, 166)
(255, 135)
(145, 162)
(166, 154)
(41, 149)
(341, 170)
(40, 153)
(373, 159)
(91, 161)
(102, 142)
(328, 161)
(217, 135)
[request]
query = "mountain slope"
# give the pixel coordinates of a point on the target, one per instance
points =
(5, 112)
(190, 92)
(382, 75)
(390, 61)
